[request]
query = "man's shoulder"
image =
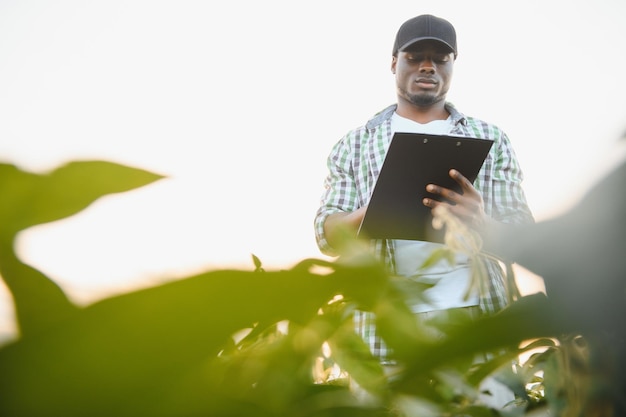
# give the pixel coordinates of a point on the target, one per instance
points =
(474, 126)
(381, 117)
(475, 121)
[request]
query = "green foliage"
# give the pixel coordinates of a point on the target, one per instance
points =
(246, 343)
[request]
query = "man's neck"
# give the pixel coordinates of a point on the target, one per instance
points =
(423, 114)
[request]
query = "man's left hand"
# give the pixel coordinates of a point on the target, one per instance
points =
(468, 206)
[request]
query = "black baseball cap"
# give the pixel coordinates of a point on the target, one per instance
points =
(422, 28)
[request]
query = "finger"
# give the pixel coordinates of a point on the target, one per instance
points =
(460, 179)
(431, 203)
(447, 194)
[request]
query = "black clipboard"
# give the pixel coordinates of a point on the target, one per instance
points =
(414, 160)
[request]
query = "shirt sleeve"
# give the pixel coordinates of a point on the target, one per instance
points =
(509, 203)
(340, 190)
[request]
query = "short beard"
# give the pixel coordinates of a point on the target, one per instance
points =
(419, 100)
(423, 100)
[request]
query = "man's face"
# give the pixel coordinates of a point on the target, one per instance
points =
(423, 73)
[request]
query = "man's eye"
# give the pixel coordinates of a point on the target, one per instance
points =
(438, 58)
(414, 57)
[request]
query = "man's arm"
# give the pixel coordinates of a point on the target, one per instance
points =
(342, 227)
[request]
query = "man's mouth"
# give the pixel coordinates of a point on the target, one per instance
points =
(426, 83)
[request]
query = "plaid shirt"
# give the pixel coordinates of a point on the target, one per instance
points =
(355, 162)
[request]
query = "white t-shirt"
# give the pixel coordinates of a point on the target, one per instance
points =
(449, 282)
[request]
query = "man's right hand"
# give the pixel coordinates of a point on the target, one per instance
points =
(342, 227)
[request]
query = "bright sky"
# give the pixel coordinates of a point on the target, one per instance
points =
(239, 103)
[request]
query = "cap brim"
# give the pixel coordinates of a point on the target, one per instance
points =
(427, 38)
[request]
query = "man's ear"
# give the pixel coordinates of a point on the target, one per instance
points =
(394, 60)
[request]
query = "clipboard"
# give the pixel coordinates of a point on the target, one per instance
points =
(414, 160)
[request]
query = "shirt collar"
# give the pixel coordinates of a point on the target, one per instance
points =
(384, 115)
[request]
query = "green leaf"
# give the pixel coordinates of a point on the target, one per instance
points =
(258, 266)
(352, 354)
(39, 302)
(490, 333)
(31, 199)
(436, 256)
(155, 351)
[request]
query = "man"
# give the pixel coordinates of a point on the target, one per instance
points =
(423, 57)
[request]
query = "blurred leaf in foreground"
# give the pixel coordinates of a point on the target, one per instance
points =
(29, 199)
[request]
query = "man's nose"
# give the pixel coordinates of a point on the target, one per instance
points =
(427, 66)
